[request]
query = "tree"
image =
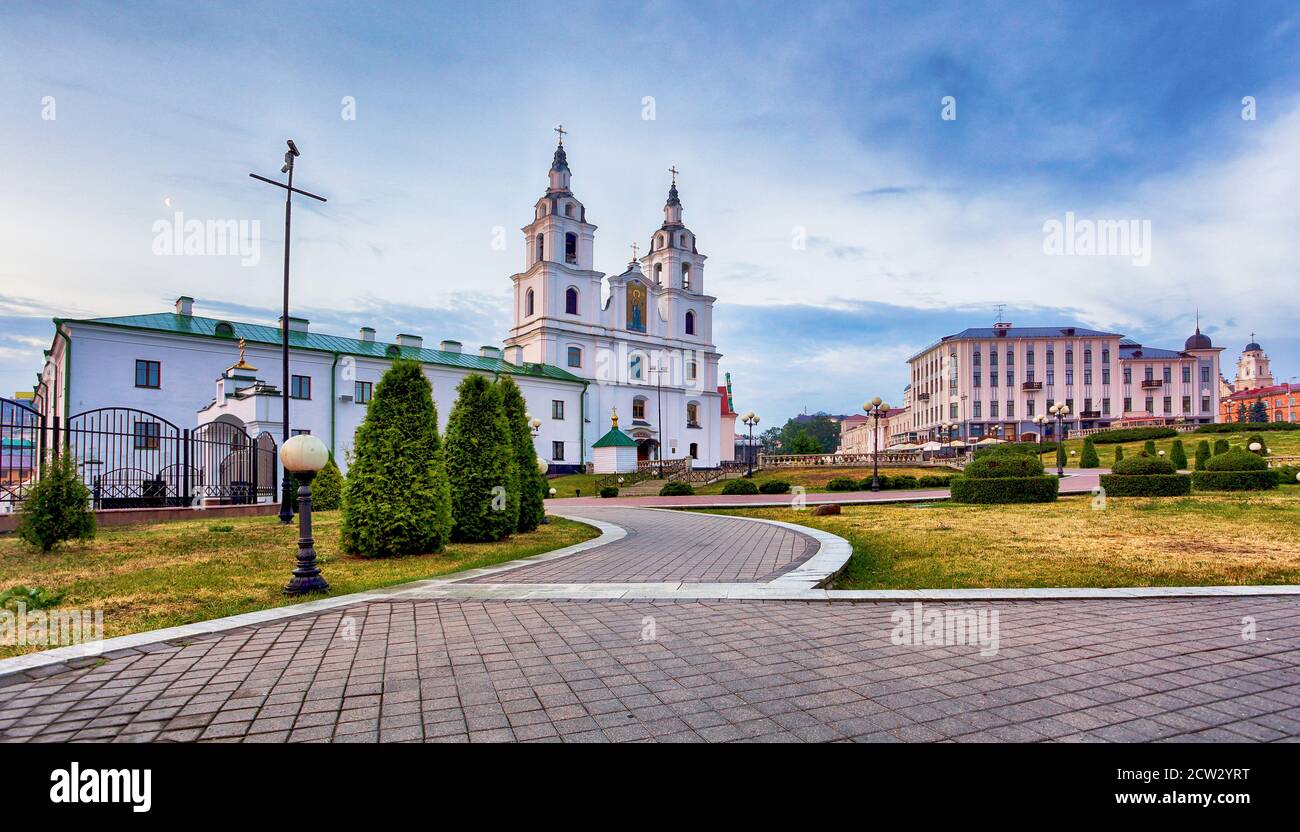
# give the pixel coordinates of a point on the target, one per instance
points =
(481, 464)
(1089, 458)
(1220, 446)
(802, 442)
(1060, 455)
(57, 508)
(771, 439)
(1119, 454)
(532, 483)
(396, 499)
(1178, 455)
(1259, 411)
(327, 488)
(1149, 449)
(824, 430)
(1242, 415)
(1202, 454)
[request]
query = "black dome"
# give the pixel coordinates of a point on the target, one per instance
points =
(1252, 346)
(1198, 341)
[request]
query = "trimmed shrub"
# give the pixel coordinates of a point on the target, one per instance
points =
(531, 482)
(842, 484)
(1089, 459)
(327, 488)
(933, 481)
(1009, 465)
(864, 484)
(674, 488)
(1119, 454)
(609, 491)
(1018, 447)
(1146, 485)
(1144, 465)
(1110, 437)
(1286, 475)
(1202, 454)
(739, 486)
(57, 508)
(1263, 446)
(396, 500)
(1234, 480)
(1149, 447)
(1178, 455)
(481, 464)
(1236, 460)
(1221, 446)
(775, 487)
(1041, 489)
(899, 481)
(1233, 427)
(1060, 457)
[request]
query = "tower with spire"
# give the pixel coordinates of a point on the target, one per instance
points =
(1253, 369)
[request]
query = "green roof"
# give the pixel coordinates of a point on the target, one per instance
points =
(615, 439)
(262, 334)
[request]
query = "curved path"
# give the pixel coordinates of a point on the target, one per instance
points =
(484, 657)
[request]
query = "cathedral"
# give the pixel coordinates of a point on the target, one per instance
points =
(641, 339)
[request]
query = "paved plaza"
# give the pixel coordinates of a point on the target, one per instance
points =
(397, 666)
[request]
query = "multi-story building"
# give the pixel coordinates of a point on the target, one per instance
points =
(859, 434)
(994, 381)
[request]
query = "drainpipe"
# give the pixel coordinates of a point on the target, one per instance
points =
(582, 427)
(334, 401)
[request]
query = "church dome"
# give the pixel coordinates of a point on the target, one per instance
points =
(1198, 341)
(1253, 347)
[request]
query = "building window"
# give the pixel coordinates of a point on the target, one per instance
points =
(1150, 405)
(993, 410)
(975, 358)
(1169, 404)
(692, 370)
(1051, 355)
(530, 305)
(1087, 405)
(1205, 375)
(300, 432)
(300, 387)
(1128, 375)
(1029, 408)
(1087, 374)
(1029, 357)
(1168, 375)
(976, 378)
(1011, 409)
(686, 275)
(1187, 375)
(363, 391)
(635, 367)
(571, 301)
(148, 374)
(638, 409)
(1087, 356)
(557, 451)
(695, 451)
(1069, 376)
(225, 330)
(692, 415)
(690, 323)
(1105, 407)
(1011, 358)
(993, 379)
(1128, 404)
(993, 358)
(1011, 378)
(571, 248)
(1105, 375)
(1149, 373)
(977, 409)
(575, 356)
(147, 435)
(541, 247)
(1105, 355)
(1069, 358)
(1051, 375)
(659, 274)
(1187, 404)
(568, 209)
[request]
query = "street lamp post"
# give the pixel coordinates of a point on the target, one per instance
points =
(286, 503)
(304, 455)
(750, 419)
(1041, 421)
(1060, 411)
(875, 409)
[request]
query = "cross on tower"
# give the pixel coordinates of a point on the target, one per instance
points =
(634, 251)
(673, 171)
(559, 128)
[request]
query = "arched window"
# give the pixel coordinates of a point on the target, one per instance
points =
(541, 247)
(225, 329)
(681, 240)
(571, 301)
(695, 450)
(568, 209)
(690, 323)
(659, 274)
(529, 303)
(692, 415)
(686, 275)
(570, 247)
(575, 356)
(659, 241)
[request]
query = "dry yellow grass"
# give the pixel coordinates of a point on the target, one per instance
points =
(1172, 541)
(147, 577)
(814, 477)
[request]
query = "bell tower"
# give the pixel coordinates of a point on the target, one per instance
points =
(1253, 368)
(673, 261)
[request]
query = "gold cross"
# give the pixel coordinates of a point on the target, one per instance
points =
(634, 251)
(241, 350)
(673, 171)
(560, 129)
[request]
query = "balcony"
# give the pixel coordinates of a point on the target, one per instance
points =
(1032, 385)
(1090, 414)
(1152, 384)
(923, 397)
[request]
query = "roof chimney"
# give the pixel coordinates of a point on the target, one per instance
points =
(412, 341)
(367, 334)
(295, 324)
(185, 305)
(1000, 328)
(515, 355)
(489, 352)
(449, 346)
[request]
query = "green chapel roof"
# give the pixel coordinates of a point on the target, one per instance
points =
(615, 439)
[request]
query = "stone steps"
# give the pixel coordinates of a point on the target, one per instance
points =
(645, 488)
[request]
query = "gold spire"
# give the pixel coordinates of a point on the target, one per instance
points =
(242, 365)
(613, 418)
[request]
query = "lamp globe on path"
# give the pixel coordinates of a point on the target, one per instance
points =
(303, 456)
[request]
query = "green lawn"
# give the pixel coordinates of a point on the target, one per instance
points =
(152, 576)
(566, 485)
(1203, 540)
(1281, 443)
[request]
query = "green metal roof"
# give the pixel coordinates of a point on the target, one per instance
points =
(172, 323)
(615, 439)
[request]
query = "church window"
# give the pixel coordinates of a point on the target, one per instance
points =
(659, 241)
(530, 305)
(148, 373)
(557, 409)
(692, 370)
(300, 387)
(557, 451)
(568, 209)
(541, 247)
(571, 301)
(225, 330)
(571, 247)
(636, 368)
(659, 274)
(686, 275)
(636, 306)
(575, 356)
(695, 450)
(690, 323)
(692, 415)
(681, 240)
(638, 408)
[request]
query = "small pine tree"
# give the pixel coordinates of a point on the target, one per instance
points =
(1060, 455)
(1242, 414)
(1202, 454)
(1119, 452)
(1259, 411)
(1220, 446)
(1089, 458)
(481, 464)
(1178, 455)
(532, 483)
(396, 499)
(1149, 448)
(57, 508)
(327, 488)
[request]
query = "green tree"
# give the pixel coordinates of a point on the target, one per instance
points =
(1259, 411)
(824, 430)
(1060, 455)
(1089, 458)
(57, 508)
(1242, 414)
(1149, 448)
(802, 442)
(1202, 454)
(1119, 454)
(481, 464)
(1220, 446)
(396, 499)
(532, 482)
(1178, 455)
(327, 488)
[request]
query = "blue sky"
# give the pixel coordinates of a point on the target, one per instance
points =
(819, 122)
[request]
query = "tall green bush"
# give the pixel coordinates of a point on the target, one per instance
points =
(1089, 458)
(1060, 456)
(57, 508)
(1119, 454)
(532, 483)
(327, 488)
(481, 464)
(1220, 446)
(1178, 455)
(396, 499)
(1202, 454)
(1149, 447)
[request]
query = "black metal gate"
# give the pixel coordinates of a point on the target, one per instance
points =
(22, 429)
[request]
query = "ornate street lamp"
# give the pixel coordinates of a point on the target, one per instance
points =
(1041, 421)
(751, 419)
(303, 456)
(1060, 411)
(875, 409)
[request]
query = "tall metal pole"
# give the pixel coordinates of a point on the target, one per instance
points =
(875, 442)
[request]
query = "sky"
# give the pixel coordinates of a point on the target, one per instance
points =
(865, 178)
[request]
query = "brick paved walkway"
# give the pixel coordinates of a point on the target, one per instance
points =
(610, 671)
(671, 546)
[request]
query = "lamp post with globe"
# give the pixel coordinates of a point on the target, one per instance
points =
(875, 409)
(1060, 411)
(303, 456)
(751, 419)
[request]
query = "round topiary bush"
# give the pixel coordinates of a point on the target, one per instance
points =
(740, 486)
(1143, 465)
(992, 466)
(609, 491)
(1236, 460)
(1235, 470)
(1146, 476)
(842, 484)
(864, 484)
(674, 488)
(775, 487)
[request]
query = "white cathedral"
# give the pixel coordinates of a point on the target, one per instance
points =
(580, 351)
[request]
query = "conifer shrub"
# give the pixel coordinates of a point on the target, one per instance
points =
(1202, 454)
(1221, 446)
(1089, 459)
(396, 499)
(327, 488)
(532, 482)
(740, 486)
(1119, 454)
(57, 508)
(1178, 455)
(609, 491)
(481, 464)
(1149, 447)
